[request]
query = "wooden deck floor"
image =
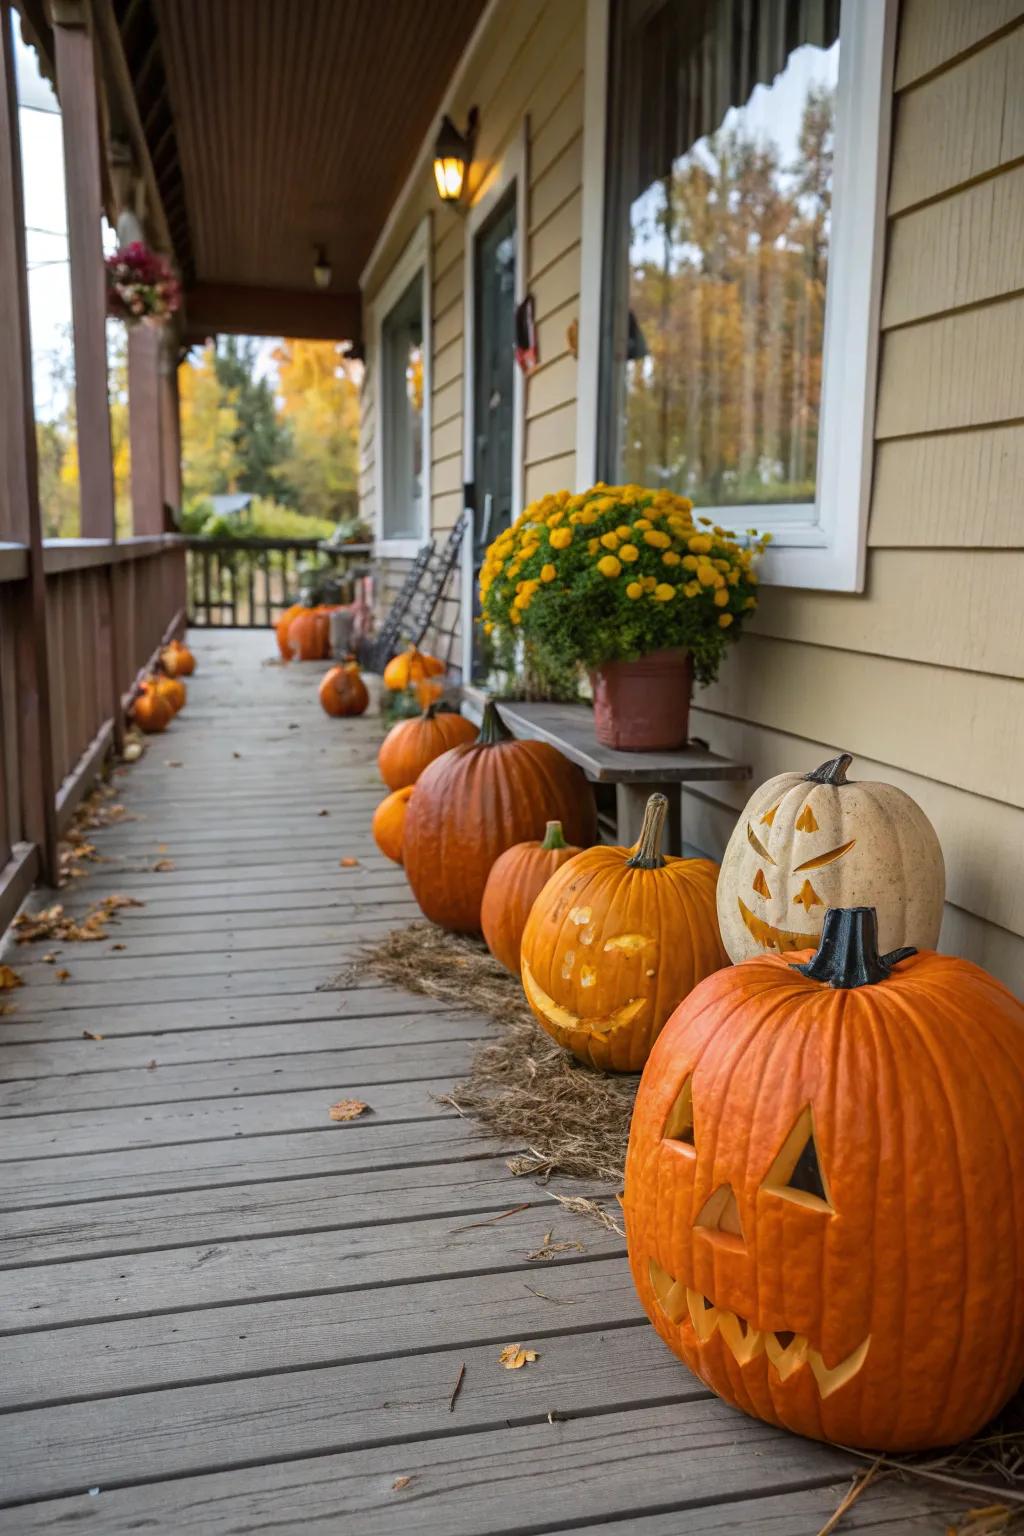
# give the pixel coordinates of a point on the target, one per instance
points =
(222, 1312)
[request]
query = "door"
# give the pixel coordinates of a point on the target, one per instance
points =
(493, 389)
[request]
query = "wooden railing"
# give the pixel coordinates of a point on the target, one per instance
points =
(246, 582)
(106, 610)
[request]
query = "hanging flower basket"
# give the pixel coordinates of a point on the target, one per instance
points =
(141, 286)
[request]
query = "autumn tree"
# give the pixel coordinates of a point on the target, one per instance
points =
(262, 439)
(319, 401)
(210, 460)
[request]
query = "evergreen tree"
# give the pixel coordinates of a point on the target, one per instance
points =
(262, 440)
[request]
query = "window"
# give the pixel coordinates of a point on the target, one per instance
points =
(403, 400)
(744, 213)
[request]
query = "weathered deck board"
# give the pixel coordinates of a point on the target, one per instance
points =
(229, 1314)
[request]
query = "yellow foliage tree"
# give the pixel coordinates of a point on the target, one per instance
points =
(319, 400)
(210, 462)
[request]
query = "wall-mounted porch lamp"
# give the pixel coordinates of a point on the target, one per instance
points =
(453, 155)
(321, 268)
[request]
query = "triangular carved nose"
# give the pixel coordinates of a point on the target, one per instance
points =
(721, 1213)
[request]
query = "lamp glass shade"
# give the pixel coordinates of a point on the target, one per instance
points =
(449, 174)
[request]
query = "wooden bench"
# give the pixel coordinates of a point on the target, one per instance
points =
(636, 775)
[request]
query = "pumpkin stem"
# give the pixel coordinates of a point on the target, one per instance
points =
(554, 837)
(847, 955)
(832, 772)
(647, 851)
(492, 727)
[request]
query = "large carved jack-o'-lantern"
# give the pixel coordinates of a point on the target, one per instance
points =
(825, 1190)
(614, 941)
(807, 842)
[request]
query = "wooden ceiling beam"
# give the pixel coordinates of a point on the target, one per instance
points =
(213, 308)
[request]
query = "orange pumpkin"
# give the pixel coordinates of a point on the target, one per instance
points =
(475, 801)
(825, 1190)
(513, 885)
(308, 635)
(172, 689)
(281, 628)
(411, 745)
(177, 660)
(342, 690)
(411, 666)
(615, 941)
(150, 710)
(389, 823)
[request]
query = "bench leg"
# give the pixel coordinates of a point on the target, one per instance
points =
(630, 801)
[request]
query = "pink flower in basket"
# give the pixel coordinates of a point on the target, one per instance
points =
(141, 285)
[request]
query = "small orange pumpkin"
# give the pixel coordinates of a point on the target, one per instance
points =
(173, 690)
(825, 1189)
(150, 711)
(513, 885)
(281, 628)
(389, 823)
(411, 745)
(412, 666)
(615, 941)
(342, 690)
(308, 635)
(177, 660)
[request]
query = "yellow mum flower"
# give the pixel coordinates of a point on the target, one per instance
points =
(641, 525)
(670, 558)
(724, 620)
(664, 592)
(707, 575)
(561, 538)
(610, 540)
(692, 588)
(656, 539)
(733, 578)
(690, 562)
(609, 566)
(588, 516)
(650, 582)
(634, 589)
(514, 616)
(629, 553)
(751, 602)
(624, 531)
(700, 544)
(514, 569)
(554, 518)
(722, 598)
(705, 520)
(488, 628)
(548, 573)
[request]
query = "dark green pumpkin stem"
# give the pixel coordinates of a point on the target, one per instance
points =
(847, 955)
(832, 772)
(492, 727)
(647, 852)
(554, 837)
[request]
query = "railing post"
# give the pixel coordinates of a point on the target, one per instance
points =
(170, 423)
(78, 92)
(144, 429)
(19, 482)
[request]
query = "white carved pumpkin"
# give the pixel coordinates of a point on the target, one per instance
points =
(807, 842)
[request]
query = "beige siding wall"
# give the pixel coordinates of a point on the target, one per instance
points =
(921, 677)
(528, 64)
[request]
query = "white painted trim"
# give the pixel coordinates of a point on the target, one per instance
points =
(512, 167)
(425, 155)
(824, 546)
(418, 257)
(595, 125)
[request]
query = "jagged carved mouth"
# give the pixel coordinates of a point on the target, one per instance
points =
(786, 1352)
(562, 1018)
(779, 939)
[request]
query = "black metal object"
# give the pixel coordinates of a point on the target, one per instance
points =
(847, 955)
(246, 583)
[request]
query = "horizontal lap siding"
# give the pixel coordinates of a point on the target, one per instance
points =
(921, 676)
(529, 63)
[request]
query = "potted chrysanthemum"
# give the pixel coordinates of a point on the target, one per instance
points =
(624, 582)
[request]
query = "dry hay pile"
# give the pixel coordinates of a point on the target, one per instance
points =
(521, 1085)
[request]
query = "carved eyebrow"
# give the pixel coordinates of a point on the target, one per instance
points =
(757, 845)
(825, 858)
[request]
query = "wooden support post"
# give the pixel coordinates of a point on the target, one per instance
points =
(77, 88)
(144, 429)
(19, 483)
(170, 431)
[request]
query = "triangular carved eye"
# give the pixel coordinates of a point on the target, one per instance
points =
(679, 1121)
(796, 1173)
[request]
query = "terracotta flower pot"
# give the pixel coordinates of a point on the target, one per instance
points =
(644, 705)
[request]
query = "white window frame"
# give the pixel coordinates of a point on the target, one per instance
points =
(824, 545)
(512, 167)
(417, 258)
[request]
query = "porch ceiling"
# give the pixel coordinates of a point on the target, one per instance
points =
(291, 126)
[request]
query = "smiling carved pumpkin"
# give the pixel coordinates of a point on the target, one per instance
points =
(825, 1190)
(615, 941)
(807, 842)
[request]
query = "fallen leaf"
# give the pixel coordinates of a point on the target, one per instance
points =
(172, 762)
(150, 1065)
(117, 946)
(133, 750)
(348, 863)
(164, 866)
(50, 959)
(6, 1008)
(292, 726)
(513, 1357)
(400, 1483)
(347, 1109)
(87, 1034)
(323, 813)
(63, 975)
(236, 754)
(9, 979)
(161, 847)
